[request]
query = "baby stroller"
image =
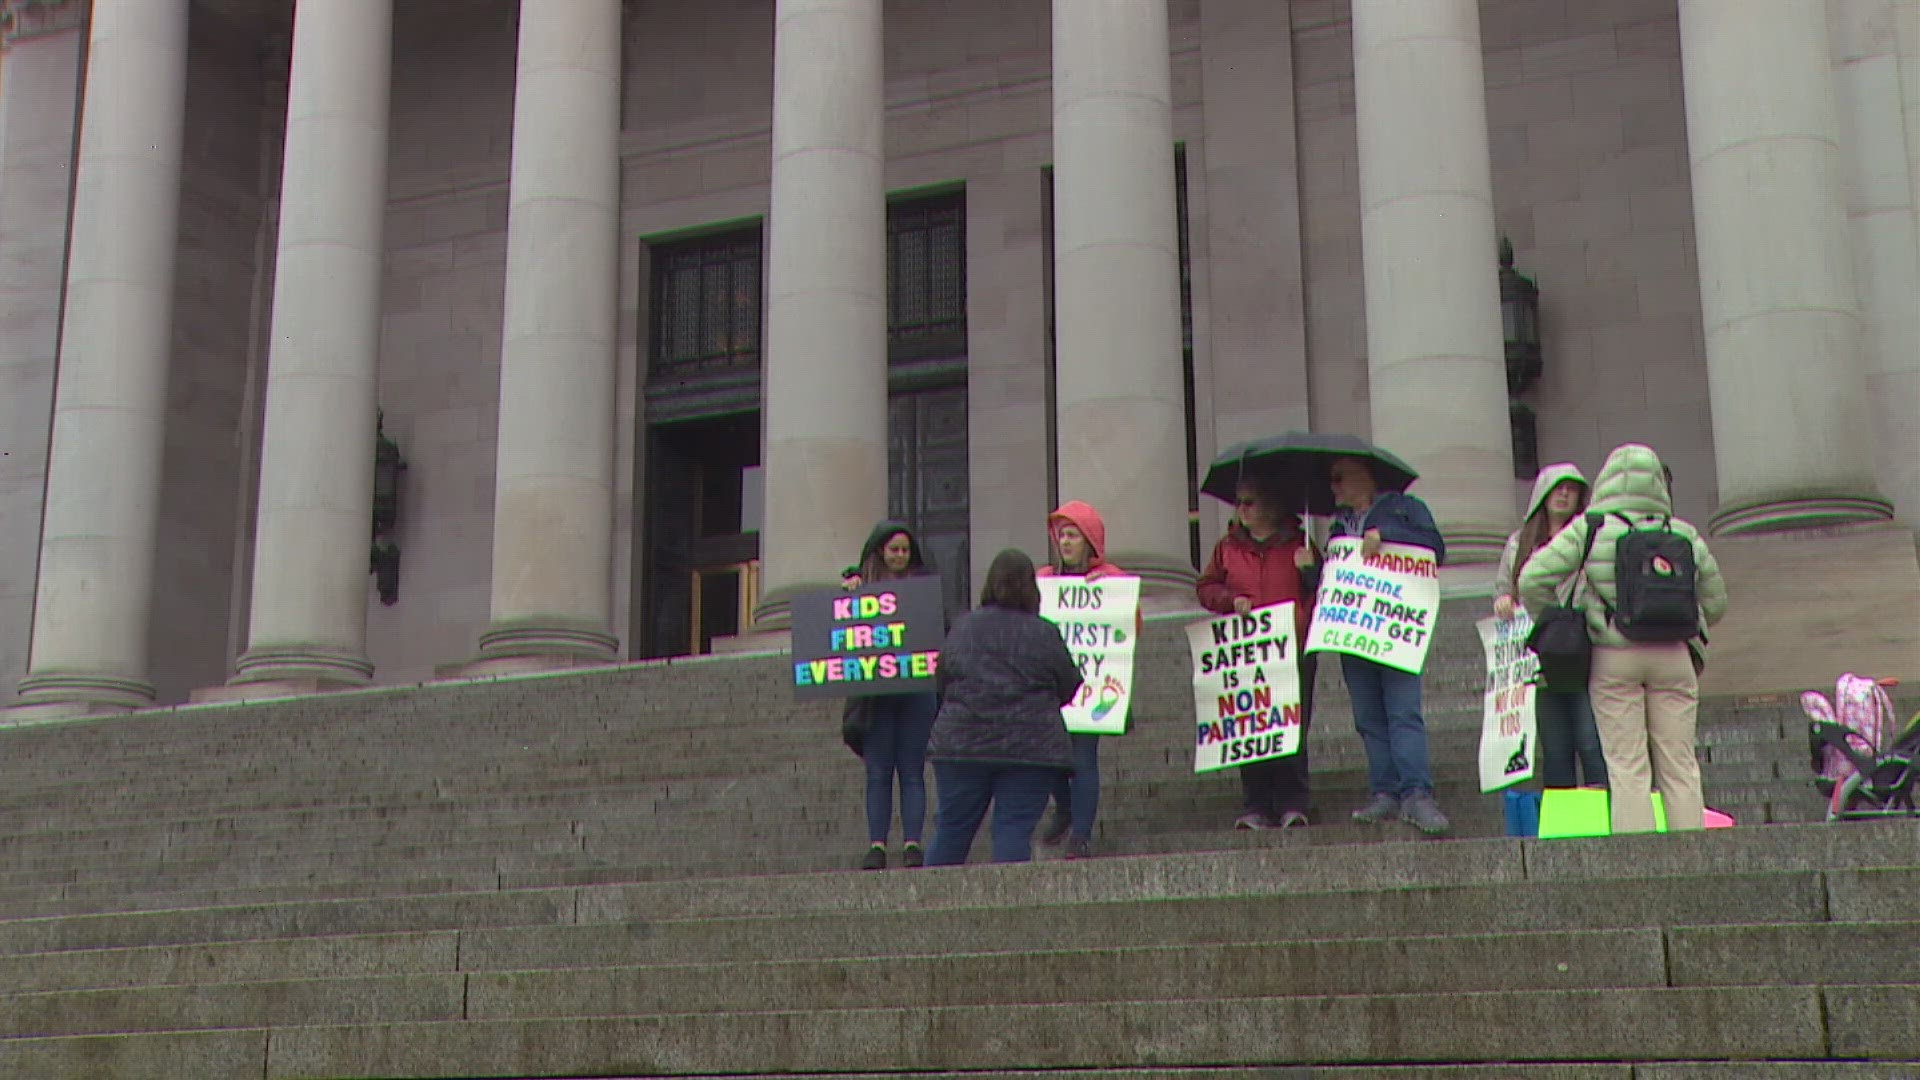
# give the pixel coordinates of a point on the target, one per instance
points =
(1866, 759)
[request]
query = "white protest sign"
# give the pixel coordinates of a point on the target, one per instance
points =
(1508, 740)
(1097, 619)
(1381, 608)
(1246, 688)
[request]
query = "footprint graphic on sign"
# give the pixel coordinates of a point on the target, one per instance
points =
(1110, 693)
(1518, 762)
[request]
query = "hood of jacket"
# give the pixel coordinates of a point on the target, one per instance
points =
(1551, 477)
(1084, 517)
(878, 538)
(1632, 482)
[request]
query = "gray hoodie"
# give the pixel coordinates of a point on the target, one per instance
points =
(1550, 477)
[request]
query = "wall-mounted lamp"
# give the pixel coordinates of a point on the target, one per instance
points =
(1520, 326)
(387, 467)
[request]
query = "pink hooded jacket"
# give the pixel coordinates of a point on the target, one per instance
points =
(1085, 518)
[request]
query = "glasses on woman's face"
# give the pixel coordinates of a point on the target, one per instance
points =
(1246, 502)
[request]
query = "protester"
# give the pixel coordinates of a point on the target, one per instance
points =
(1568, 741)
(897, 725)
(1000, 739)
(1386, 701)
(1653, 588)
(1265, 559)
(1079, 541)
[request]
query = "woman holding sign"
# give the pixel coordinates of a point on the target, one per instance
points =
(898, 725)
(1266, 559)
(1386, 701)
(1079, 540)
(1568, 740)
(1000, 740)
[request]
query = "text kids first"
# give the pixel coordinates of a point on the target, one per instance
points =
(862, 625)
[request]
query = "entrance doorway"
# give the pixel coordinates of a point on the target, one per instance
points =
(703, 544)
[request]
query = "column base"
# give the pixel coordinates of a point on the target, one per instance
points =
(295, 666)
(1787, 515)
(65, 694)
(774, 612)
(1469, 545)
(513, 639)
(1159, 575)
(268, 690)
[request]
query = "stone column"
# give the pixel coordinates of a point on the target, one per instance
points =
(1885, 241)
(42, 47)
(308, 624)
(1118, 389)
(1436, 361)
(1784, 365)
(553, 486)
(103, 476)
(825, 380)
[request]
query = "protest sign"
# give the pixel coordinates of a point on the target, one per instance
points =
(1097, 621)
(1381, 608)
(1246, 688)
(880, 639)
(1508, 740)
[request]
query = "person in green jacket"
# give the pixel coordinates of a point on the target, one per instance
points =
(1646, 694)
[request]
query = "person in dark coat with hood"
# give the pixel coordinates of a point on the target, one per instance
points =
(1000, 740)
(897, 725)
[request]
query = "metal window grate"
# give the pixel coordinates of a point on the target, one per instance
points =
(927, 278)
(706, 304)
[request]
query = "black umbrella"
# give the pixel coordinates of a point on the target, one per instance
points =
(1297, 463)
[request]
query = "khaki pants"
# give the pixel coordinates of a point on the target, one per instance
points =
(1646, 701)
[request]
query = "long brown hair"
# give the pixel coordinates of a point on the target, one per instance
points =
(1010, 583)
(1538, 529)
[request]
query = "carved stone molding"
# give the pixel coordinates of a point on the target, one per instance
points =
(21, 19)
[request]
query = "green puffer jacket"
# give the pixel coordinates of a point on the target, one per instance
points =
(1631, 483)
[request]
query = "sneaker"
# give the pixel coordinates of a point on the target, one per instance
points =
(1381, 809)
(1423, 813)
(913, 856)
(1079, 847)
(1253, 819)
(876, 859)
(1293, 819)
(1057, 825)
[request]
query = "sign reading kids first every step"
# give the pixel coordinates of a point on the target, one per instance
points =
(1246, 688)
(1381, 607)
(880, 639)
(1097, 620)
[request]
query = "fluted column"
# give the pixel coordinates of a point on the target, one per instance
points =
(1784, 365)
(825, 379)
(1436, 361)
(103, 476)
(42, 49)
(1117, 373)
(553, 487)
(308, 621)
(1885, 240)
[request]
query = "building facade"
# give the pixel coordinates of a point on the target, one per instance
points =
(664, 304)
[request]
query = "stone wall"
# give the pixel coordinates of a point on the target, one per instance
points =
(216, 305)
(1590, 182)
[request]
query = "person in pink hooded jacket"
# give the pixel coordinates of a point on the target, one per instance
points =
(1079, 550)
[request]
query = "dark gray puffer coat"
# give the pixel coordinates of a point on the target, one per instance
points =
(1003, 676)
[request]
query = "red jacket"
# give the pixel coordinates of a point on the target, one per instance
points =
(1262, 572)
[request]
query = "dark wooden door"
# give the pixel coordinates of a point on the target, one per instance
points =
(927, 479)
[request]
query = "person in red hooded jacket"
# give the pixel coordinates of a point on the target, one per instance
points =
(1264, 559)
(1079, 550)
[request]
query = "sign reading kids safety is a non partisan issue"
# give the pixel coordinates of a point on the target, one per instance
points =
(1380, 607)
(1507, 727)
(880, 639)
(1097, 621)
(1246, 688)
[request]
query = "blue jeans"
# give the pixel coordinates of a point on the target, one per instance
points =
(1079, 791)
(1018, 794)
(897, 745)
(1569, 740)
(1386, 712)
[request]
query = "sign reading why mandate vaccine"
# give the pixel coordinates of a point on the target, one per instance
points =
(1380, 607)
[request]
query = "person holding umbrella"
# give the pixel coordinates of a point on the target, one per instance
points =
(1386, 701)
(1266, 558)
(1364, 489)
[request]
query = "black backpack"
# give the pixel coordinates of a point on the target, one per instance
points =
(1656, 596)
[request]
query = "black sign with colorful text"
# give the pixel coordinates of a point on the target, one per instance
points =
(880, 639)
